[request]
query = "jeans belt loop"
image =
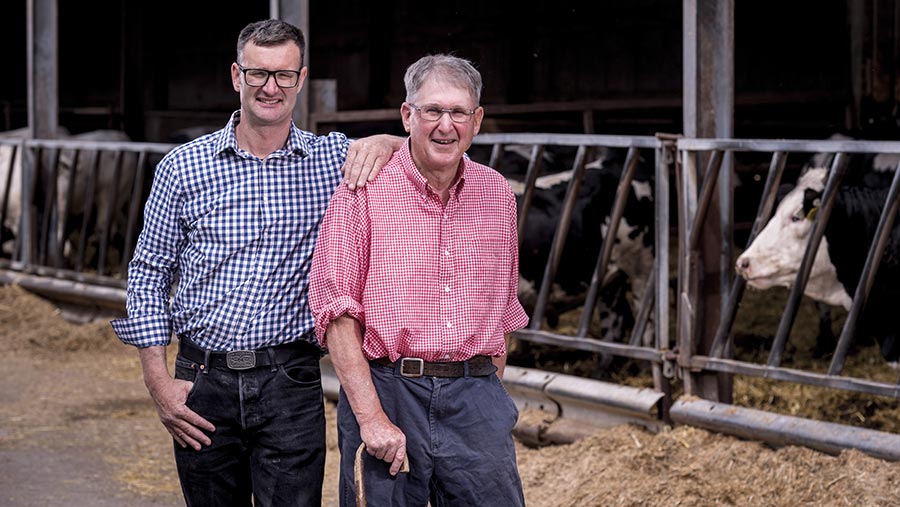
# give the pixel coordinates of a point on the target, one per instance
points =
(205, 362)
(271, 352)
(465, 368)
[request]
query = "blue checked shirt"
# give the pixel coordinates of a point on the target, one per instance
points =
(238, 232)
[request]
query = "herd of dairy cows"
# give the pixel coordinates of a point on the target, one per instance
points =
(771, 260)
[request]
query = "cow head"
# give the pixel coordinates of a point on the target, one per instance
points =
(774, 257)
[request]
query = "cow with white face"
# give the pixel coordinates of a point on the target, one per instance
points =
(774, 257)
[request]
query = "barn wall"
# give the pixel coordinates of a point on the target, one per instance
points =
(156, 66)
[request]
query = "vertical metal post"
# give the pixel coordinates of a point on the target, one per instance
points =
(43, 82)
(708, 84)
(296, 12)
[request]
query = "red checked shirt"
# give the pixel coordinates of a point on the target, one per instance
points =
(427, 280)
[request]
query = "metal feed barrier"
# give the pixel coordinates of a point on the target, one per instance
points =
(41, 261)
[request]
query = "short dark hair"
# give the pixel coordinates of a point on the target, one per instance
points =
(270, 32)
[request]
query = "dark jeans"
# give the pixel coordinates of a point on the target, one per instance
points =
(269, 440)
(459, 441)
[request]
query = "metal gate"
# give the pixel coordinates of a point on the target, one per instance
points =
(52, 253)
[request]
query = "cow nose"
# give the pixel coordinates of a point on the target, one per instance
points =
(743, 265)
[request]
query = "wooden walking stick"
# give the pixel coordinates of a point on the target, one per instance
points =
(359, 481)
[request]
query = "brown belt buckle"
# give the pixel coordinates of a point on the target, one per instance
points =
(412, 367)
(240, 359)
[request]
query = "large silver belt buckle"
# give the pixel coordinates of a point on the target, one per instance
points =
(240, 359)
(412, 367)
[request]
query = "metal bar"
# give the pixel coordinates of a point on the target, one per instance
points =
(661, 380)
(867, 277)
(496, 161)
(782, 430)
(49, 217)
(796, 376)
(134, 208)
(73, 144)
(686, 175)
(623, 190)
(559, 239)
(791, 145)
(42, 40)
(661, 227)
(7, 185)
(62, 274)
(589, 345)
(643, 315)
(838, 169)
(110, 213)
(27, 228)
(90, 190)
(568, 140)
(707, 189)
(75, 292)
(763, 214)
(67, 205)
(531, 175)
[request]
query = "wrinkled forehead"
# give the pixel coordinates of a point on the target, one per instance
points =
(443, 89)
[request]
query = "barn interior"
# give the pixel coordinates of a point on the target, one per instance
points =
(801, 69)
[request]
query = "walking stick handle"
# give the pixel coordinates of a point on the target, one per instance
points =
(359, 476)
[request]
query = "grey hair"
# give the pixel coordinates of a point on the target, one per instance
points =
(453, 69)
(270, 32)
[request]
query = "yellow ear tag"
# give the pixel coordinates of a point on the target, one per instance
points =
(811, 216)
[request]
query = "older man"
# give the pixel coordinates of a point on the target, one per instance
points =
(413, 287)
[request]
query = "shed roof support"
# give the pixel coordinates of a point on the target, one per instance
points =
(708, 88)
(43, 80)
(296, 12)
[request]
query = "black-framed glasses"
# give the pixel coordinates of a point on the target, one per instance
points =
(259, 77)
(432, 112)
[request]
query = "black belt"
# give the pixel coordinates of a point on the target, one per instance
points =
(478, 366)
(246, 359)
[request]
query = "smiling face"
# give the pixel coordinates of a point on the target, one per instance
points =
(438, 145)
(267, 105)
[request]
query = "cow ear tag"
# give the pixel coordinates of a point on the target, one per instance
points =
(811, 216)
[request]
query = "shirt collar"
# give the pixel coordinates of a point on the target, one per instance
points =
(228, 140)
(413, 175)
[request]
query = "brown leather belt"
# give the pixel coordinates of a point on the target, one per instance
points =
(478, 366)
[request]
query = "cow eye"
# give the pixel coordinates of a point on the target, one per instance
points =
(796, 218)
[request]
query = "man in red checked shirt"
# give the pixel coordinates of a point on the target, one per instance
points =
(414, 287)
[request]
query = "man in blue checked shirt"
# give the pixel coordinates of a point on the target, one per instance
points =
(234, 216)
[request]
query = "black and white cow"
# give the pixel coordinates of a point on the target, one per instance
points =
(774, 257)
(110, 189)
(632, 255)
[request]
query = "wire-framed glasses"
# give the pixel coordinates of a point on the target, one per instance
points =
(432, 112)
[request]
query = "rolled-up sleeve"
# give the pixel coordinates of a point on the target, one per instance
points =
(152, 270)
(340, 261)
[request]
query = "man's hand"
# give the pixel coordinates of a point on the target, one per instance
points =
(170, 396)
(182, 423)
(384, 441)
(367, 156)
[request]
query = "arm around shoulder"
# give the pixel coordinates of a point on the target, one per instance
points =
(366, 157)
